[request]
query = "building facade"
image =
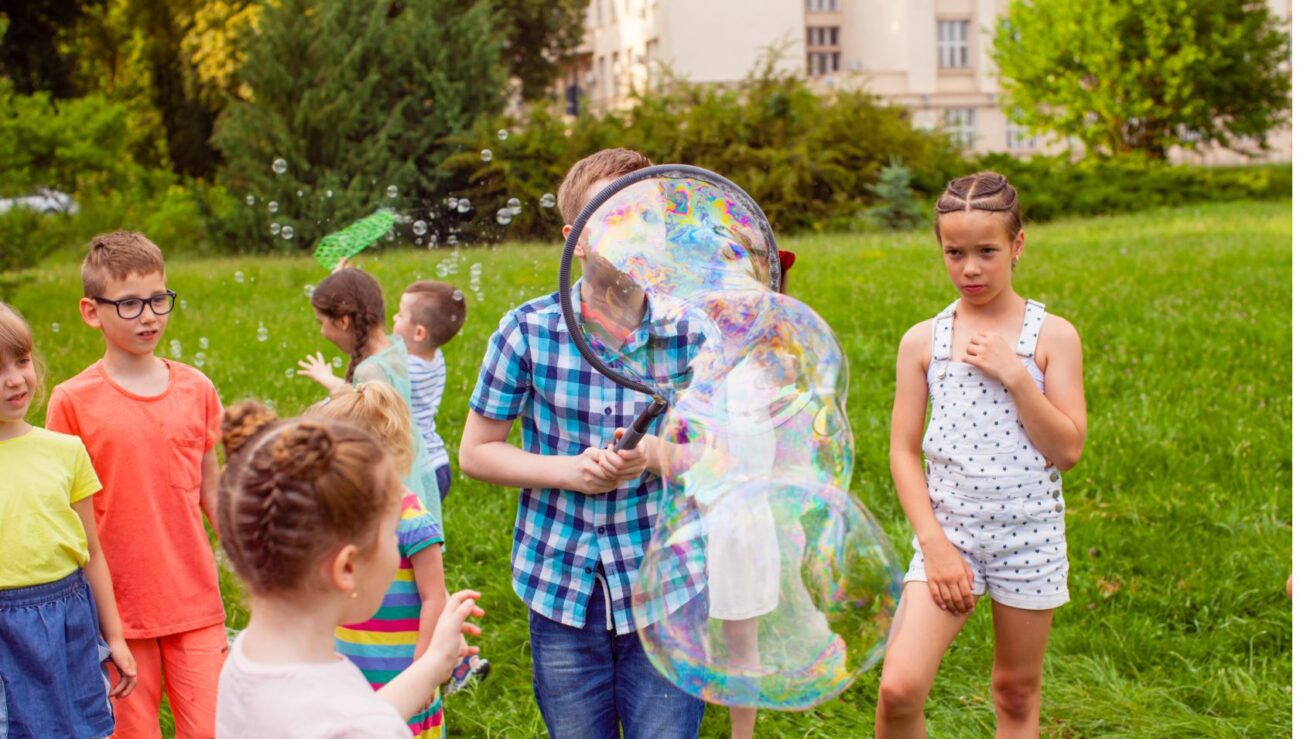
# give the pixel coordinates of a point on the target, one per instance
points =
(931, 56)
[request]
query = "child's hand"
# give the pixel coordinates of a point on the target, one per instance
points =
(120, 655)
(316, 368)
(625, 464)
(989, 353)
(446, 647)
(343, 264)
(950, 578)
(587, 475)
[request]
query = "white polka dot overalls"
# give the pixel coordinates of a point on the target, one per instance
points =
(997, 503)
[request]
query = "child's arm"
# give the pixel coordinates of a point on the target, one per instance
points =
(316, 368)
(486, 455)
(208, 487)
(1057, 422)
(411, 690)
(101, 587)
(948, 576)
(431, 583)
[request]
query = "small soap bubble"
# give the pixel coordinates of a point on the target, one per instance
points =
(392, 191)
(463, 205)
(184, 304)
(419, 241)
(288, 374)
(419, 228)
(337, 362)
(547, 200)
(452, 240)
(300, 193)
(279, 166)
(504, 216)
(458, 296)
(175, 348)
(329, 193)
(250, 200)
(54, 327)
(515, 206)
(452, 203)
(308, 291)
(503, 134)
(239, 277)
(203, 342)
(262, 333)
(272, 207)
(200, 359)
(485, 155)
(287, 232)
(275, 229)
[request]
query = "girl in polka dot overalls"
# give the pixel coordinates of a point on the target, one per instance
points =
(1004, 381)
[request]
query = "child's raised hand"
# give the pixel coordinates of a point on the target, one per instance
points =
(587, 475)
(446, 647)
(989, 353)
(123, 661)
(316, 368)
(950, 578)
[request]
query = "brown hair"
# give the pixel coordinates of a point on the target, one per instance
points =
(987, 191)
(602, 165)
(295, 490)
(355, 294)
(16, 341)
(376, 407)
(439, 308)
(117, 256)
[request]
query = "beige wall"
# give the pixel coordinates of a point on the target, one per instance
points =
(891, 47)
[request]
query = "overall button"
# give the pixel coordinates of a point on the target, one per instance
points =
(1059, 507)
(1054, 476)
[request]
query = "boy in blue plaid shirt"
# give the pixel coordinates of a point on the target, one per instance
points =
(585, 514)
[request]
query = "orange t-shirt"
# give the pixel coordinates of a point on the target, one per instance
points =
(148, 453)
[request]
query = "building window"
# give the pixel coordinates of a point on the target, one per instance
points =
(954, 44)
(616, 71)
(823, 62)
(960, 124)
(823, 36)
(1019, 138)
(822, 6)
(602, 80)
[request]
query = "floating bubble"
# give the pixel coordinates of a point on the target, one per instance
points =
(262, 333)
(175, 348)
(288, 374)
(279, 166)
(504, 216)
(463, 205)
(458, 296)
(452, 203)
(419, 228)
(329, 193)
(547, 200)
(308, 291)
(391, 236)
(272, 207)
(300, 193)
(337, 363)
(184, 304)
(250, 200)
(485, 155)
(287, 232)
(419, 241)
(239, 277)
(54, 327)
(275, 229)
(503, 134)
(203, 342)
(200, 359)
(515, 206)
(452, 240)
(392, 191)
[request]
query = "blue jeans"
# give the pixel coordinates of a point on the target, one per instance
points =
(589, 681)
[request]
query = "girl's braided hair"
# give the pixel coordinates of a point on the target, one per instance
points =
(355, 294)
(295, 490)
(987, 191)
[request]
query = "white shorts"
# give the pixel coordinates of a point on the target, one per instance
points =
(1015, 545)
(742, 557)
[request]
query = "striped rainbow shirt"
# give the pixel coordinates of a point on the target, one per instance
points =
(385, 645)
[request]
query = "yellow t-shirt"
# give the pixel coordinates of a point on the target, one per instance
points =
(42, 473)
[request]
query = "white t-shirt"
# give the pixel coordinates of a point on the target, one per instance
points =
(300, 700)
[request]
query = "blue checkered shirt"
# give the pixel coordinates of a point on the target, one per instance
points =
(563, 538)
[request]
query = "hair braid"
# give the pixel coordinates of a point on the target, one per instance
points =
(986, 191)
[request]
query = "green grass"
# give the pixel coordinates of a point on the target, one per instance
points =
(1179, 518)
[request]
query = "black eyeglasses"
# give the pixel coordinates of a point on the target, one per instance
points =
(129, 308)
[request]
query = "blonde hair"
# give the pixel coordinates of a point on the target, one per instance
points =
(16, 341)
(117, 256)
(294, 491)
(376, 407)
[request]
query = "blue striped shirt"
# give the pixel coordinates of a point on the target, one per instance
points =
(428, 380)
(532, 371)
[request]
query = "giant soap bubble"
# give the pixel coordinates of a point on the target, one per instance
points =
(765, 583)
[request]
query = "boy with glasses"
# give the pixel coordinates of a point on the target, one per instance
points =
(151, 426)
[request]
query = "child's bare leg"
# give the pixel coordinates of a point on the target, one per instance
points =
(741, 638)
(1020, 642)
(921, 634)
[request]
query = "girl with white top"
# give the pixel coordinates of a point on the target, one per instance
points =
(1004, 381)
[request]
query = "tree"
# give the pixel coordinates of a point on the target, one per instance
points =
(31, 55)
(355, 100)
(539, 36)
(1145, 75)
(898, 209)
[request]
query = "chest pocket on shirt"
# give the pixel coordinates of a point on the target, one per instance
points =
(185, 465)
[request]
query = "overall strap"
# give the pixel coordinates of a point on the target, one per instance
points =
(941, 334)
(1034, 315)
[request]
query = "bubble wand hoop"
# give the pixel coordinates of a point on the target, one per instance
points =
(632, 436)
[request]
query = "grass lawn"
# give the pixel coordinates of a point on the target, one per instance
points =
(1179, 515)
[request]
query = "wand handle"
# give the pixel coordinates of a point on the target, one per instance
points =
(632, 436)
